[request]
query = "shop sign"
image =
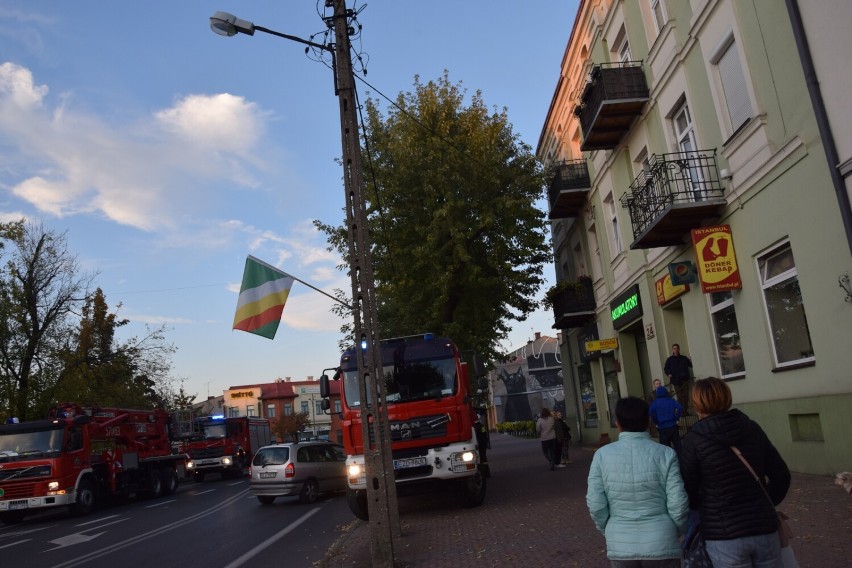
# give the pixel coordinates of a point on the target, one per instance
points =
(667, 291)
(242, 394)
(626, 307)
(590, 333)
(602, 344)
(717, 263)
(683, 272)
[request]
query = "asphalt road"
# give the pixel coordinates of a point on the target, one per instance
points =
(216, 524)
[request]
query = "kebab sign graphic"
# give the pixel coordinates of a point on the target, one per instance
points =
(717, 263)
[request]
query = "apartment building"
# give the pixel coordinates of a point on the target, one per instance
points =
(700, 196)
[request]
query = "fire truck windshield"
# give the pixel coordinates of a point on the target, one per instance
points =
(23, 444)
(214, 431)
(409, 381)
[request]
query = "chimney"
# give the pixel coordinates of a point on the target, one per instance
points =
(310, 377)
(537, 335)
(287, 379)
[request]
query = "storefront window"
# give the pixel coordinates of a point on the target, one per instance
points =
(587, 396)
(613, 391)
(728, 348)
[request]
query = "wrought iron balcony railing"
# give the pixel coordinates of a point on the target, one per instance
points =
(568, 189)
(674, 195)
(611, 100)
(573, 304)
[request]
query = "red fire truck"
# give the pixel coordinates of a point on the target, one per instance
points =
(225, 445)
(430, 413)
(79, 456)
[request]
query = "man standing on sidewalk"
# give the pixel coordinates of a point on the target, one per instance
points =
(677, 369)
(635, 494)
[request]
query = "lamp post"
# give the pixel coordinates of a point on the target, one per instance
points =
(381, 487)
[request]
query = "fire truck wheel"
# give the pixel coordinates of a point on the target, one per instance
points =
(472, 490)
(85, 503)
(155, 484)
(12, 517)
(170, 481)
(357, 501)
(265, 499)
(309, 492)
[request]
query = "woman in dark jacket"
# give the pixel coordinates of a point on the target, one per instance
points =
(739, 524)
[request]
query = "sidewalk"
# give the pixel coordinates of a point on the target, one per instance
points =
(536, 517)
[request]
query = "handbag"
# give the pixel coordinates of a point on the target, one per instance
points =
(694, 549)
(785, 533)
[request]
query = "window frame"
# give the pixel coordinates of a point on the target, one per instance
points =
(715, 308)
(732, 82)
(766, 283)
(654, 4)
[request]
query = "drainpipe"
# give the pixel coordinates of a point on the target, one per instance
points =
(821, 117)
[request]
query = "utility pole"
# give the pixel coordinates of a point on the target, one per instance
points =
(381, 485)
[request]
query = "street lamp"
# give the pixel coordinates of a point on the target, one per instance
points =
(381, 484)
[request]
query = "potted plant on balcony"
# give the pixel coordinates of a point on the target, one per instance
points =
(579, 287)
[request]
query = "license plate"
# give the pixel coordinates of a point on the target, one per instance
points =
(266, 474)
(409, 462)
(22, 504)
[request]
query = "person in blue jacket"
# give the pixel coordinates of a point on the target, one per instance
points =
(666, 412)
(636, 496)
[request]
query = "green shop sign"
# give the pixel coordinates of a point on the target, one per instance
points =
(626, 307)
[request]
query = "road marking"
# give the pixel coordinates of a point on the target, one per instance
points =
(266, 543)
(77, 538)
(87, 558)
(96, 521)
(203, 492)
(16, 542)
(160, 503)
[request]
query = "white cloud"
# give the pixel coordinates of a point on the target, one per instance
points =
(151, 174)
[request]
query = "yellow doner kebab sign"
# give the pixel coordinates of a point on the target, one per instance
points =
(717, 263)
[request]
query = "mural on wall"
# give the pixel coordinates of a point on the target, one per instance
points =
(529, 381)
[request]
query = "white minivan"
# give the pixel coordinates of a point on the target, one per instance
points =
(306, 469)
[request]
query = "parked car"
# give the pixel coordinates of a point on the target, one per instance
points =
(306, 469)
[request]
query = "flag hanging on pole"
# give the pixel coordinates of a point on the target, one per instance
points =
(263, 294)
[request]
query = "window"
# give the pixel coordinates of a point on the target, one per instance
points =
(587, 396)
(596, 255)
(726, 58)
(318, 408)
(270, 411)
(306, 408)
(579, 260)
(288, 408)
(337, 408)
(616, 246)
(785, 310)
(233, 411)
(686, 143)
(624, 51)
(659, 14)
(251, 411)
(728, 348)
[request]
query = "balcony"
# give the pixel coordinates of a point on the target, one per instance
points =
(573, 303)
(679, 192)
(611, 101)
(568, 189)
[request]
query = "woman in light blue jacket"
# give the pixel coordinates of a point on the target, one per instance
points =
(635, 494)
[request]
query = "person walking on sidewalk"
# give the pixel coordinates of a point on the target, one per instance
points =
(739, 524)
(665, 413)
(677, 369)
(563, 438)
(546, 428)
(636, 496)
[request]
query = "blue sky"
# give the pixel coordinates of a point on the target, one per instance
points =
(168, 153)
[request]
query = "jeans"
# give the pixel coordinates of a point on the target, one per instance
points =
(548, 448)
(763, 551)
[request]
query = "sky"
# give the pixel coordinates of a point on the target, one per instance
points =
(166, 154)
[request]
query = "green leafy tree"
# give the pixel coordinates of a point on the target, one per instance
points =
(458, 243)
(100, 371)
(40, 289)
(288, 426)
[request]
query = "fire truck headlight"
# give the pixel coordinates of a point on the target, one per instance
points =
(467, 457)
(190, 465)
(226, 461)
(354, 471)
(53, 486)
